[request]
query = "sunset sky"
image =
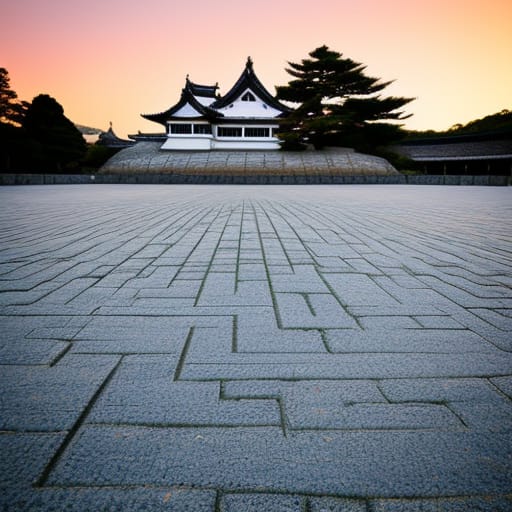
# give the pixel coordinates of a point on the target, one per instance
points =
(111, 60)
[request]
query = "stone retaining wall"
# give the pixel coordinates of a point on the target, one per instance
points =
(316, 179)
(148, 158)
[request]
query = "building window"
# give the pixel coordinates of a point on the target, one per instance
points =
(257, 132)
(248, 96)
(228, 131)
(181, 128)
(202, 128)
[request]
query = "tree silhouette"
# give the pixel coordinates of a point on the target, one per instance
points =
(59, 144)
(11, 109)
(13, 140)
(338, 104)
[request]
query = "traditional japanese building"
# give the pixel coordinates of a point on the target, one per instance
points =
(477, 153)
(245, 118)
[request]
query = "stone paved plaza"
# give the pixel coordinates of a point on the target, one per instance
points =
(227, 348)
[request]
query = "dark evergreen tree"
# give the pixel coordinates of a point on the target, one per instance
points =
(13, 140)
(338, 104)
(59, 144)
(11, 109)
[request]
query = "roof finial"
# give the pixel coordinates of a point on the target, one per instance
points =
(249, 63)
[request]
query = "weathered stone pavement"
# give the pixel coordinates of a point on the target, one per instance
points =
(255, 348)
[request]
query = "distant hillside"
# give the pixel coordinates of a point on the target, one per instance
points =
(87, 130)
(501, 122)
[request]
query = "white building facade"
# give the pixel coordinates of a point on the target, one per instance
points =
(245, 118)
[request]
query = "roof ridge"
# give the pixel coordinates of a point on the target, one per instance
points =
(249, 80)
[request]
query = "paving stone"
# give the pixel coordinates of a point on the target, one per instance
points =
(31, 352)
(407, 340)
(345, 405)
(24, 456)
(495, 416)
(113, 500)
(254, 389)
(336, 505)
(305, 280)
(252, 272)
(131, 334)
(143, 393)
(353, 366)
(504, 384)
(396, 310)
(462, 297)
(335, 416)
(439, 390)
(362, 265)
(341, 250)
(406, 464)
(116, 279)
(312, 310)
(437, 322)
(170, 304)
(45, 399)
(219, 290)
(358, 289)
(258, 502)
(495, 318)
(161, 277)
(386, 324)
(69, 291)
(62, 333)
(260, 333)
(178, 288)
(462, 504)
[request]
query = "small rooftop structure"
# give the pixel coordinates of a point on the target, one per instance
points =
(245, 118)
(111, 140)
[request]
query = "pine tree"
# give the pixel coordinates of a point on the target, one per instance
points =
(13, 140)
(338, 104)
(11, 109)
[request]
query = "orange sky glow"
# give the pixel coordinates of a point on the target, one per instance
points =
(111, 60)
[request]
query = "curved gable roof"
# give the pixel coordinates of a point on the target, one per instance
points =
(204, 91)
(249, 80)
(188, 97)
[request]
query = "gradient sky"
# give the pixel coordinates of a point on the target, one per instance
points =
(111, 60)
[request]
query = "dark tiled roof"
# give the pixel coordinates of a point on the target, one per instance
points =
(111, 140)
(204, 91)
(151, 137)
(187, 96)
(449, 150)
